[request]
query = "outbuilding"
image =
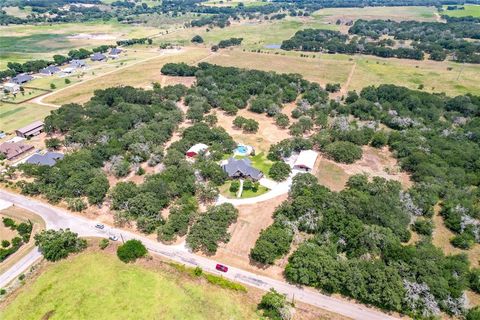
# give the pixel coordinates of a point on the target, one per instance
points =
(306, 160)
(31, 130)
(77, 64)
(196, 150)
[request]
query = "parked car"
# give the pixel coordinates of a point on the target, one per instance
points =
(99, 226)
(113, 238)
(221, 267)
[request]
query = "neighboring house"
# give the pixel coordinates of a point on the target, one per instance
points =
(31, 130)
(13, 150)
(114, 53)
(50, 70)
(306, 160)
(21, 78)
(47, 159)
(98, 57)
(77, 64)
(11, 87)
(69, 70)
(241, 168)
(196, 149)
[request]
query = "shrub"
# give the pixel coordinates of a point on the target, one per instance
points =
(344, 151)
(332, 87)
(463, 241)
(224, 283)
(131, 251)
(424, 227)
(473, 314)
(475, 280)
(103, 243)
(279, 171)
(21, 277)
(234, 186)
(197, 39)
(273, 305)
(76, 204)
(5, 243)
(247, 185)
(379, 139)
(53, 143)
(2, 291)
(282, 120)
(9, 223)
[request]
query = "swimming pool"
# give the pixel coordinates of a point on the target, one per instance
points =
(241, 150)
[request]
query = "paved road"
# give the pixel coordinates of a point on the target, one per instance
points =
(20, 267)
(56, 218)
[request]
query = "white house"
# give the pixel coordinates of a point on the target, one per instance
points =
(11, 87)
(196, 149)
(306, 160)
(69, 70)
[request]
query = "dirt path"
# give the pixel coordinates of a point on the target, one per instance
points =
(343, 91)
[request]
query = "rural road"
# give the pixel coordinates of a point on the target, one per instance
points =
(56, 218)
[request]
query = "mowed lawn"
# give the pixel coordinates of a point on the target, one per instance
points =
(470, 10)
(14, 116)
(99, 286)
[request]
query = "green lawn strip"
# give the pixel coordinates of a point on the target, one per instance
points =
(98, 285)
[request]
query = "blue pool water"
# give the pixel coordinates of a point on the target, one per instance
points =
(241, 150)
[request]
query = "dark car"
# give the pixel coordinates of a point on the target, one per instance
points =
(221, 267)
(99, 226)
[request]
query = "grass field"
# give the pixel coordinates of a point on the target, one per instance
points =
(140, 75)
(233, 3)
(393, 13)
(20, 97)
(14, 116)
(325, 68)
(470, 10)
(98, 285)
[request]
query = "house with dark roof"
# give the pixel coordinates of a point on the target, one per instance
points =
(97, 56)
(50, 70)
(21, 78)
(13, 150)
(47, 159)
(241, 168)
(115, 51)
(31, 130)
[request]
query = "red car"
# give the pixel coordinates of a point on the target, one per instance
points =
(221, 267)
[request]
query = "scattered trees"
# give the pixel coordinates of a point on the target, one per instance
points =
(212, 228)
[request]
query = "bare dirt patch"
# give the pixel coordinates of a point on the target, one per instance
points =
(268, 133)
(441, 238)
(374, 162)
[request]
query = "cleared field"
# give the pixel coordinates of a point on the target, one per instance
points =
(139, 74)
(322, 69)
(369, 13)
(449, 77)
(14, 116)
(470, 10)
(233, 3)
(255, 34)
(99, 285)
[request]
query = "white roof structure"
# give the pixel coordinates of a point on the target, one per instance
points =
(69, 69)
(306, 159)
(197, 148)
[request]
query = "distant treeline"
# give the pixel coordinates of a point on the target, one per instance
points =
(439, 40)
